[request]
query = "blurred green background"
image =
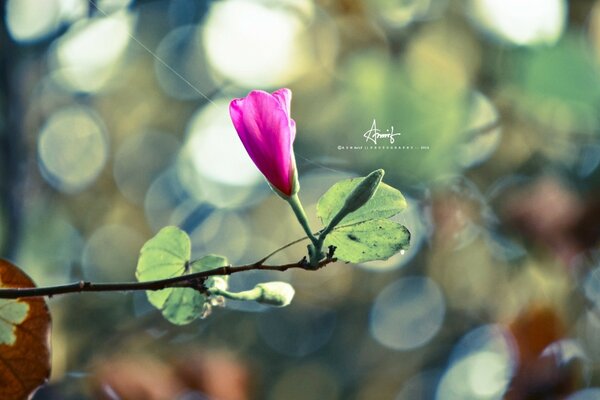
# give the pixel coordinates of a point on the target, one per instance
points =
(114, 123)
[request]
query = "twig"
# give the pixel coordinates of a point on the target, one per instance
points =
(271, 254)
(195, 280)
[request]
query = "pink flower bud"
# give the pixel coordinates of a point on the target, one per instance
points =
(262, 121)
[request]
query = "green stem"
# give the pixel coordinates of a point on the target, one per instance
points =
(332, 224)
(271, 254)
(296, 205)
(314, 250)
(248, 295)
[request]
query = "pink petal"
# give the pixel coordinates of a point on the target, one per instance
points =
(267, 133)
(284, 96)
(235, 111)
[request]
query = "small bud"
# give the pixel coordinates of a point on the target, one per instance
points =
(279, 294)
(363, 191)
(357, 198)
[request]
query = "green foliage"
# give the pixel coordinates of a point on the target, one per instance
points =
(365, 234)
(167, 255)
(362, 193)
(368, 241)
(385, 203)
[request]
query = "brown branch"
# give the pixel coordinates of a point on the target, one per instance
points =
(195, 280)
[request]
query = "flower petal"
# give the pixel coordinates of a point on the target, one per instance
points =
(292, 131)
(267, 133)
(284, 97)
(237, 116)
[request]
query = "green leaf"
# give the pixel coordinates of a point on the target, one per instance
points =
(210, 262)
(167, 255)
(368, 241)
(164, 256)
(184, 305)
(386, 203)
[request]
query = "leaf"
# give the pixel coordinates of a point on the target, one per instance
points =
(386, 203)
(164, 256)
(167, 255)
(24, 338)
(369, 240)
(182, 306)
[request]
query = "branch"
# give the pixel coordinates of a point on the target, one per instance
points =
(195, 281)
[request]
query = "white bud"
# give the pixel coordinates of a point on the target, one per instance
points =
(279, 294)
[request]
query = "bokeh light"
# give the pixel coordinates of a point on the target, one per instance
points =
(214, 165)
(267, 47)
(81, 60)
(481, 366)
(521, 23)
(181, 51)
(486, 338)
(31, 20)
(72, 149)
(407, 313)
(481, 375)
(27, 22)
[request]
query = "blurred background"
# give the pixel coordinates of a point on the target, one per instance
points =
(114, 123)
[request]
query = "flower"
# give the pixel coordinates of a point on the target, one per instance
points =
(262, 121)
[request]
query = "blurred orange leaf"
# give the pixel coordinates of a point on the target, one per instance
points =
(24, 338)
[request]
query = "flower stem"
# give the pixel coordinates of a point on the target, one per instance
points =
(314, 249)
(248, 295)
(296, 205)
